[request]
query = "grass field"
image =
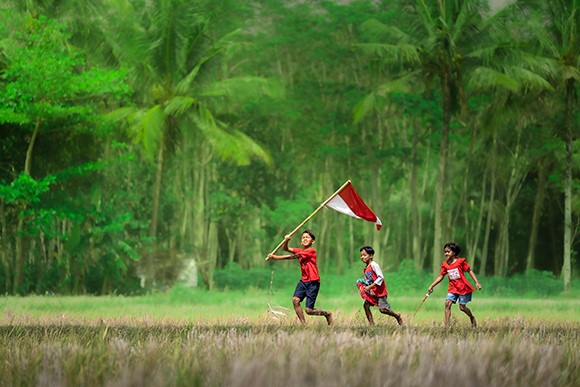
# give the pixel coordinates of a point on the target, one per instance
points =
(198, 338)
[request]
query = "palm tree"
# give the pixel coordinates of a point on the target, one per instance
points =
(559, 37)
(440, 44)
(168, 50)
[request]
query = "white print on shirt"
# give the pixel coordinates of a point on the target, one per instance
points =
(453, 274)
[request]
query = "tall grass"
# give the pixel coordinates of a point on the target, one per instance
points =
(267, 352)
(190, 337)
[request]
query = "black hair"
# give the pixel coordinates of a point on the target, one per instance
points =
(368, 249)
(309, 233)
(453, 247)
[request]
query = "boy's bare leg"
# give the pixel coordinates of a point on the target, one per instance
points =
(448, 304)
(298, 309)
(368, 313)
(467, 311)
(396, 315)
(320, 312)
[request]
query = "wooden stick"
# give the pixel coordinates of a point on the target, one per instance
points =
(424, 298)
(312, 215)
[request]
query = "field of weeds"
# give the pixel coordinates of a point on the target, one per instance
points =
(265, 349)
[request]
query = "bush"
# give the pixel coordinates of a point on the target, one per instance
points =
(406, 279)
(534, 284)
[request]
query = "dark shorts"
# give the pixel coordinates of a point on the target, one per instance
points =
(308, 290)
(383, 304)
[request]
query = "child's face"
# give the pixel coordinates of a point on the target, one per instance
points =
(449, 254)
(365, 257)
(306, 240)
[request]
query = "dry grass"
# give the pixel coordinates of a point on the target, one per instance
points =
(72, 351)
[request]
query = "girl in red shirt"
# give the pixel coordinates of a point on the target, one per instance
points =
(309, 283)
(459, 288)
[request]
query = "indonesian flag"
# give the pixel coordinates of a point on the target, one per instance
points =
(349, 203)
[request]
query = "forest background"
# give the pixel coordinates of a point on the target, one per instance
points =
(141, 137)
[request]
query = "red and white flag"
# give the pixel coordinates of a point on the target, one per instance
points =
(348, 202)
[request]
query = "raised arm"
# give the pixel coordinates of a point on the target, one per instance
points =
(285, 245)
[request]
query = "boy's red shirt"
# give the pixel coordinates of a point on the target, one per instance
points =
(307, 263)
(458, 284)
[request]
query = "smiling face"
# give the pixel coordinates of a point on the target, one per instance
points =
(306, 240)
(449, 254)
(365, 257)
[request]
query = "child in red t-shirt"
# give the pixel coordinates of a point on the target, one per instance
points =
(375, 293)
(459, 288)
(309, 283)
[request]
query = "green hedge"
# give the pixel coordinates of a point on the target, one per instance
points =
(406, 279)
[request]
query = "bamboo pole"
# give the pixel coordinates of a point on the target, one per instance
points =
(311, 215)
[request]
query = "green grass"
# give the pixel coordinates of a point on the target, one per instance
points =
(190, 305)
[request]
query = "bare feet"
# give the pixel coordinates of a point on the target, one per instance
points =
(473, 322)
(399, 319)
(329, 318)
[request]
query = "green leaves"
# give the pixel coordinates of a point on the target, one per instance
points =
(25, 190)
(42, 81)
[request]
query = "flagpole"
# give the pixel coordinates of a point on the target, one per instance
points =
(312, 215)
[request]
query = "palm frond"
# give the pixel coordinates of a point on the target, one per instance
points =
(404, 84)
(529, 81)
(178, 105)
(391, 53)
(380, 31)
(243, 88)
(219, 46)
(148, 129)
(362, 108)
(485, 78)
(228, 145)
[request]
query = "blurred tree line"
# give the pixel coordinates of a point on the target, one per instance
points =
(139, 135)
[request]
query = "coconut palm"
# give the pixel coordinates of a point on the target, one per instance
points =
(168, 51)
(559, 35)
(440, 45)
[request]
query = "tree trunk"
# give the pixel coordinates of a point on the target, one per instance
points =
(515, 182)
(567, 259)
(19, 253)
(538, 205)
(441, 182)
(5, 250)
(490, 205)
(415, 223)
(157, 190)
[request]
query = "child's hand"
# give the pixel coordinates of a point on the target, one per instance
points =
(478, 285)
(430, 290)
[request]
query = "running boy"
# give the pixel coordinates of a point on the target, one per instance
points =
(309, 284)
(459, 287)
(376, 288)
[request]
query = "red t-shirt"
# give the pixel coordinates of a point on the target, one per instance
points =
(458, 284)
(307, 263)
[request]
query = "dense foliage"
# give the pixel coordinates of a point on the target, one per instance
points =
(140, 137)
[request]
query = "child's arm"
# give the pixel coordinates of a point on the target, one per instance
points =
(285, 245)
(280, 257)
(472, 274)
(435, 283)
